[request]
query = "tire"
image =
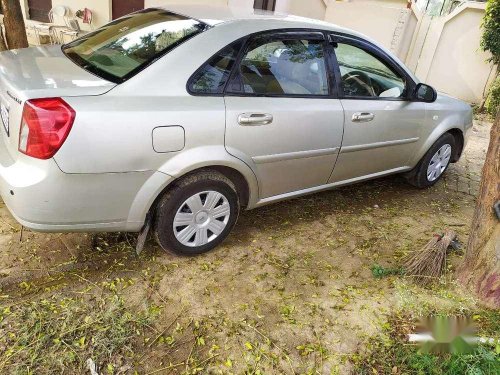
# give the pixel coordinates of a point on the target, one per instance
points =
(421, 176)
(205, 207)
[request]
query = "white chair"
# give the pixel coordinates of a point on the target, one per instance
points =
(74, 29)
(50, 29)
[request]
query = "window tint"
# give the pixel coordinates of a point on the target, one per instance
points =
(119, 49)
(212, 78)
(364, 75)
(284, 67)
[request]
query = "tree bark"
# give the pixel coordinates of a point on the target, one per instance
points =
(3, 46)
(480, 270)
(15, 29)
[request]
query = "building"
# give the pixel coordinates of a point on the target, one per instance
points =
(437, 39)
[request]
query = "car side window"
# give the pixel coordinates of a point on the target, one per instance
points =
(283, 67)
(212, 77)
(365, 76)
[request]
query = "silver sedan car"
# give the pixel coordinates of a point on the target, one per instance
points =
(177, 118)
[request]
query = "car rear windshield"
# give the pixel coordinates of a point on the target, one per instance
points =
(122, 48)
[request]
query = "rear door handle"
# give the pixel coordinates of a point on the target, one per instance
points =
(363, 117)
(255, 119)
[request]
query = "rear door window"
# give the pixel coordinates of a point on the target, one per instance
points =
(294, 67)
(213, 76)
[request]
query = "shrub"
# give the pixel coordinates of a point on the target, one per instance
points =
(493, 101)
(490, 40)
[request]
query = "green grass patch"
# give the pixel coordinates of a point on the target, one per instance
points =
(380, 272)
(390, 352)
(55, 336)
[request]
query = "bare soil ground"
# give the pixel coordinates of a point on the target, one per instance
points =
(291, 291)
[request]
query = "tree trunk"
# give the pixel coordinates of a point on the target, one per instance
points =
(15, 30)
(480, 270)
(3, 46)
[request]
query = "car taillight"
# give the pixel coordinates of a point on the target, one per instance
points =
(45, 125)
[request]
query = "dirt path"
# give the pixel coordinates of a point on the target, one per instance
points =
(291, 291)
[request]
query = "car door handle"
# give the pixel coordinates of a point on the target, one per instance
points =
(363, 117)
(255, 119)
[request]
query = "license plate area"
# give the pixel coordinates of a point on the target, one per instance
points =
(4, 112)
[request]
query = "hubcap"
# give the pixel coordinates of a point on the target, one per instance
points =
(438, 163)
(201, 218)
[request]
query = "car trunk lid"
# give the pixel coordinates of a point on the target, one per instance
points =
(39, 72)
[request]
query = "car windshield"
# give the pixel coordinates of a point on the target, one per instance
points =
(123, 47)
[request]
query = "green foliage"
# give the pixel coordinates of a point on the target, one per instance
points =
(61, 334)
(380, 272)
(490, 40)
(493, 101)
(390, 353)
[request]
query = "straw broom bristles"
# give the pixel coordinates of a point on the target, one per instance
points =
(429, 263)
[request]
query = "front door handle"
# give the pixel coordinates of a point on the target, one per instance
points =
(255, 119)
(363, 117)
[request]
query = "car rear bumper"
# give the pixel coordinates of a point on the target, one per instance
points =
(43, 198)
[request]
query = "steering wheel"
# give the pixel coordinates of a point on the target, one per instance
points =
(358, 83)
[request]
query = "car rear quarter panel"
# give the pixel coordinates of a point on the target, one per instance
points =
(113, 133)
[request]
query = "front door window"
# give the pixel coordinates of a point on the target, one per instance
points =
(366, 76)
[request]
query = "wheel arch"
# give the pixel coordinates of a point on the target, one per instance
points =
(459, 143)
(444, 128)
(236, 177)
(147, 198)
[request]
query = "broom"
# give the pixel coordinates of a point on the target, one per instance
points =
(429, 263)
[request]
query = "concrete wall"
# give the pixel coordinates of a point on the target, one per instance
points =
(153, 3)
(442, 51)
(451, 59)
(376, 19)
(101, 10)
(311, 8)
(305, 8)
(403, 49)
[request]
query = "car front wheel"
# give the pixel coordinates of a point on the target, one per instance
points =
(197, 214)
(434, 163)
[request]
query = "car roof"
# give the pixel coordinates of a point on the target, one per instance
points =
(216, 15)
(230, 15)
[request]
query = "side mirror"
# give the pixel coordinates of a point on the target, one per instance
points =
(424, 93)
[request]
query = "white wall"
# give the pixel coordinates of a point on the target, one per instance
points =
(311, 8)
(248, 4)
(101, 10)
(403, 50)
(154, 3)
(458, 66)
(376, 19)
(442, 51)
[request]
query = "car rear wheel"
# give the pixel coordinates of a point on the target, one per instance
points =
(197, 214)
(434, 163)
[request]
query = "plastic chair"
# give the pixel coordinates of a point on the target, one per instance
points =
(74, 29)
(50, 28)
